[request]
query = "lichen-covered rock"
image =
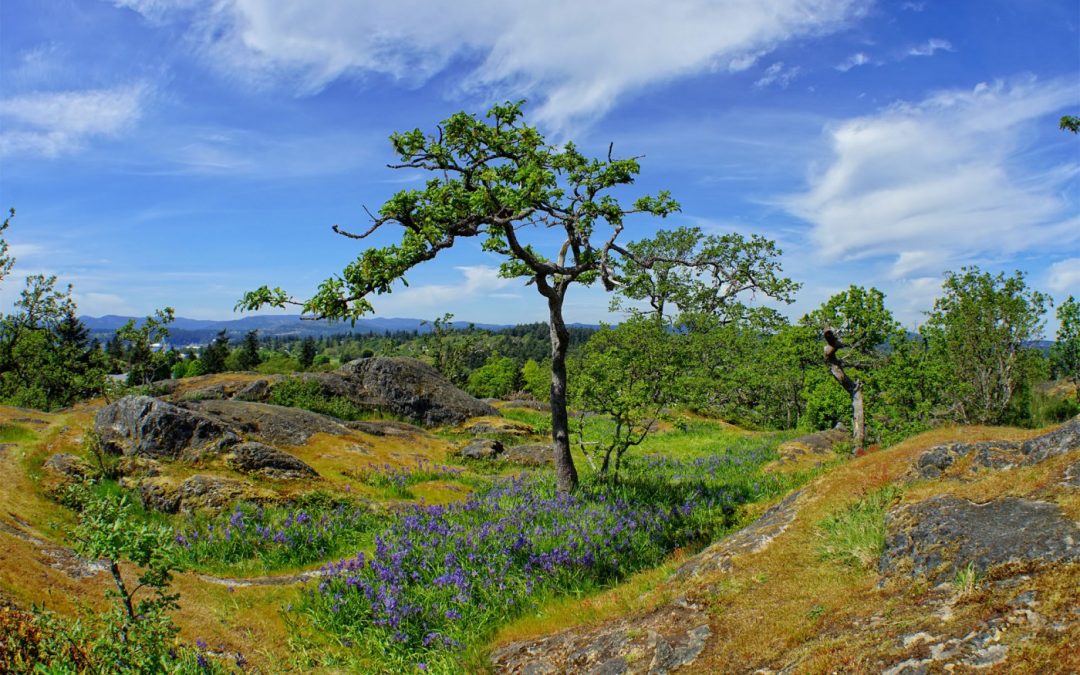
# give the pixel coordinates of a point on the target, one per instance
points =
(482, 448)
(197, 493)
(146, 426)
(259, 390)
(407, 388)
(530, 454)
(655, 643)
(158, 493)
(138, 467)
(817, 443)
(273, 424)
(938, 461)
(1072, 475)
(214, 493)
(68, 465)
(941, 535)
(1057, 442)
(262, 459)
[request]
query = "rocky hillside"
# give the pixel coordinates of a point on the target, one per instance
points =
(958, 550)
(980, 569)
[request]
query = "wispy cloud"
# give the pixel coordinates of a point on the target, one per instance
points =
(476, 280)
(942, 180)
(1064, 276)
(929, 47)
(853, 61)
(58, 123)
(576, 58)
(778, 74)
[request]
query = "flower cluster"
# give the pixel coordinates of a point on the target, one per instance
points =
(442, 574)
(274, 537)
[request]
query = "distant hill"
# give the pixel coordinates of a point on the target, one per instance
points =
(184, 331)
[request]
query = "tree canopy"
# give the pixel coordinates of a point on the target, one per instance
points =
(496, 179)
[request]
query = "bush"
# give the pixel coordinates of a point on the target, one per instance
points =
(495, 379)
(308, 394)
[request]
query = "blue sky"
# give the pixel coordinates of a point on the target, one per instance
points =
(180, 152)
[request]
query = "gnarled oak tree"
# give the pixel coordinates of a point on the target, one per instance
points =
(500, 181)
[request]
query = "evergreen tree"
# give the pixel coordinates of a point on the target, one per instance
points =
(307, 352)
(248, 358)
(214, 354)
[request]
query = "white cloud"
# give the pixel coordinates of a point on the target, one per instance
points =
(56, 123)
(930, 46)
(478, 280)
(575, 58)
(942, 180)
(779, 75)
(1064, 277)
(855, 60)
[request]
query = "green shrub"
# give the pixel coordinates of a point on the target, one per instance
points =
(308, 394)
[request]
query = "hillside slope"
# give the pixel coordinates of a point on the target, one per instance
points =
(999, 592)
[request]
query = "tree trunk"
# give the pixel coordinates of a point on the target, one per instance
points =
(565, 472)
(858, 424)
(852, 387)
(125, 597)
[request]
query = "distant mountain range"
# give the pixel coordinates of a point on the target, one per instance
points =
(185, 331)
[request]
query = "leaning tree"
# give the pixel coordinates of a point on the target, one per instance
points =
(856, 326)
(499, 180)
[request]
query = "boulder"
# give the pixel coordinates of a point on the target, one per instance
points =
(263, 459)
(69, 466)
(530, 454)
(197, 493)
(482, 448)
(273, 424)
(403, 387)
(146, 426)
(942, 535)
(817, 443)
(259, 390)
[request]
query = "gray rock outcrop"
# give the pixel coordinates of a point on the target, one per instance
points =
(657, 643)
(942, 535)
(482, 448)
(197, 493)
(146, 426)
(403, 387)
(944, 459)
(272, 424)
(262, 459)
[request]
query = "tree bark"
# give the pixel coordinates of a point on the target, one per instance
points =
(125, 597)
(565, 473)
(852, 387)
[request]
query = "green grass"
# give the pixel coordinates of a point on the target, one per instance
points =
(14, 433)
(855, 536)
